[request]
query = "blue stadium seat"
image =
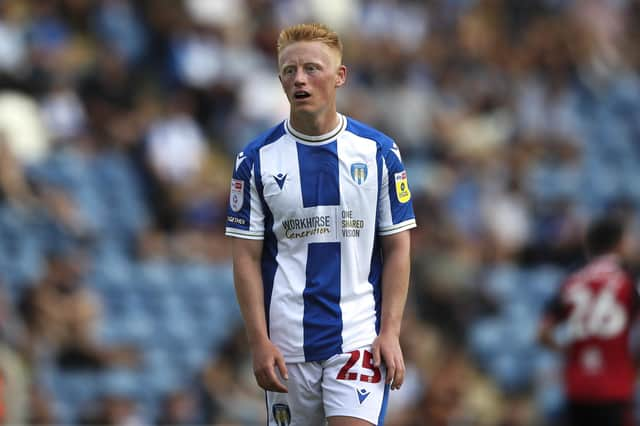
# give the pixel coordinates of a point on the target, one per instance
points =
(64, 412)
(112, 271)
(27, 263)
(550, 401)
(547, 365)
(501, 282)
(66, 168)
(155, 276)
(195, 279)
(222, 282)
(486, 335)
(121, 193)
(75, 388)
(194, 357)
(521, 328)
(511, 370)
(92, 208)
(121, 382)
(540, 284)
(131, 324)
(159, 374)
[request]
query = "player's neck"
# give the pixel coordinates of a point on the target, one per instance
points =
(315, 125)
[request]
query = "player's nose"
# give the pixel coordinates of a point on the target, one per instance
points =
(300, 78)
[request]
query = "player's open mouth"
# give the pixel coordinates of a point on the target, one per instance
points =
(301, 94)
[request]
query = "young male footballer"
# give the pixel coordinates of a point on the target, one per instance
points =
(320, 212)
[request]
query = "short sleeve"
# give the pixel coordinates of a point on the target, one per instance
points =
(395, 207)
(245, 217)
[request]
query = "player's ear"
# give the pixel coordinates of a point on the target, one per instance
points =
(341, 75)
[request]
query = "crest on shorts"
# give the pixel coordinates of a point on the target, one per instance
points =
(281, 414)
(359, 172)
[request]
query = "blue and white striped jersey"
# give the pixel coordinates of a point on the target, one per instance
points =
(320, 203)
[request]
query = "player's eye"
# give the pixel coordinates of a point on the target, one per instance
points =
(311, 68)
(288, 71)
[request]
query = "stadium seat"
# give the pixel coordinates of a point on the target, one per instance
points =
(155, 276)
(501, 282)
(121, 382)
(540, 284)
(159, 375)
(550, 400)
(486, 335)
(511, 370)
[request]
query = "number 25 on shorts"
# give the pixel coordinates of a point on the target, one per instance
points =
(367, 364)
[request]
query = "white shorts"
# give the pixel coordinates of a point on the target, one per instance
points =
(344, 385)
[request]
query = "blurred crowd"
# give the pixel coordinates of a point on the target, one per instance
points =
(518, 121)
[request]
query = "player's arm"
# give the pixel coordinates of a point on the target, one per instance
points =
(546, 333)
(248, 283)
(552, 316)
(395, 285)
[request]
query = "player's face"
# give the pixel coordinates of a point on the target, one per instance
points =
(310, 73)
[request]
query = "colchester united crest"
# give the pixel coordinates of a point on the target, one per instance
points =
(281, 414)
(359, 172)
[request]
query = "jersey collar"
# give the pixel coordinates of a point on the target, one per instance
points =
(320, 139)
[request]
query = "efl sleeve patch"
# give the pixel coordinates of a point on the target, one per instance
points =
(402, 187)
(236, 195)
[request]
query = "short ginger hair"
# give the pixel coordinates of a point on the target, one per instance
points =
(310, 32)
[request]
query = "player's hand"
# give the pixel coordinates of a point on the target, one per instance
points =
(266, 358)
(386, 348)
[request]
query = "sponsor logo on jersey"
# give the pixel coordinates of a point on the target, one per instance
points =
(402, 187)
(351, 226)
(280, 178)
(281, 414)
(307, 226)
(359, 172)
(362, 394)
(236, 196)
(238, 220)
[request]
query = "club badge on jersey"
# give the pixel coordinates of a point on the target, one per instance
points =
(359, 172)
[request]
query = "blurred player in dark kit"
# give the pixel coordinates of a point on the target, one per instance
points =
(598, 304)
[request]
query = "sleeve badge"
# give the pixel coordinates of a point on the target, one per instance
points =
(236, 196)
(402, 187)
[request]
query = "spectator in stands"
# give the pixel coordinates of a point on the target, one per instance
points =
(62, 112)
(65, 224)
(179, 407)
(14, 378)
(228, 384)
(14, 187)
(22, 127)
(174, 155)
(112, 410)
(62, 314)
(41, 407)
